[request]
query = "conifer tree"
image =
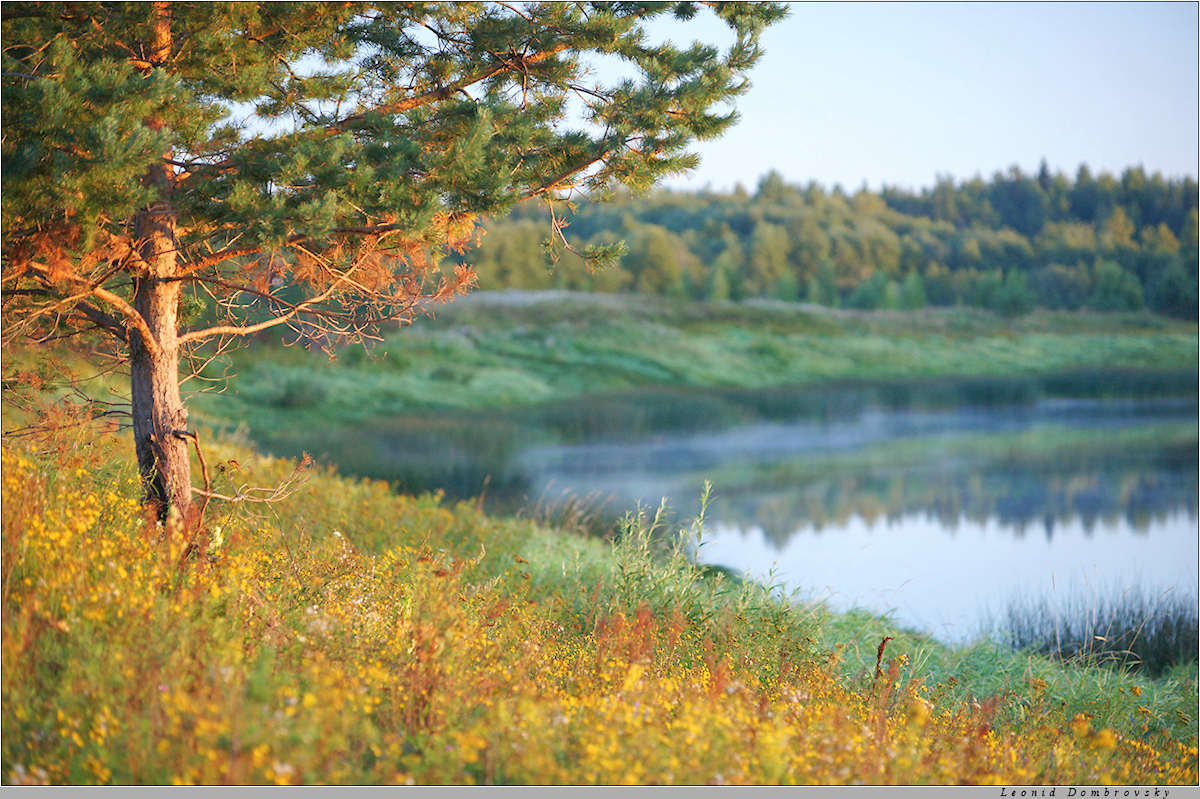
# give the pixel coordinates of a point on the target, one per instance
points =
(304, 166)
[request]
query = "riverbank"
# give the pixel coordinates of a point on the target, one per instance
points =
(351, 635)
(498, 371)
(506, 349)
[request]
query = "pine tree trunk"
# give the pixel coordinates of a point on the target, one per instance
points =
(159, 417)
(158, 413)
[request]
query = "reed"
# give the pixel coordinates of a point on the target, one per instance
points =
(1136, 629)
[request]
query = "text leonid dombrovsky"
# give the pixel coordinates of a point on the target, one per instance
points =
(1087, 793)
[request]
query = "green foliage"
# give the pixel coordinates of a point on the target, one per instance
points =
(1173, 292)
(822, 288)
(1116, 289)
(75, 146)
(1010, 244)
(912, 291)
(1058, 286)
(1013, 296)
(870, 294)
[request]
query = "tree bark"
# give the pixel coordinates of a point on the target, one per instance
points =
(158, 413)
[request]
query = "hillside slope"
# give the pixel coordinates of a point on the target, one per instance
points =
(346, 634)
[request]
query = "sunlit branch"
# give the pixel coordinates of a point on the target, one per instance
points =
(195, 370)
(66, 303)
(128, 312)
(215, 259)
(103, 320)
(245, 330)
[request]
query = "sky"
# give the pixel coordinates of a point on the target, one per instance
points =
(899, 93)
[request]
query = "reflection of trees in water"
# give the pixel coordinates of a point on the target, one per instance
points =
(1021, 500)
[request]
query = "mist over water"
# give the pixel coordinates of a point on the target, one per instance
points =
(675, 455)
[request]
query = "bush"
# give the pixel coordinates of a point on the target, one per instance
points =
(1062, 287)
(1173, 292)
(870, 294)
(1012, 297)
(1005, 294)
(912, 291)
(1116, 289)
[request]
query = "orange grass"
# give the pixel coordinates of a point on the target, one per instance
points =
(409, 644)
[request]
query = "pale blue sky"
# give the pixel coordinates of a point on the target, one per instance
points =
(898, 93)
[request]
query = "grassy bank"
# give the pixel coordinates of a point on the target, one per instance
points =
(513, 350)
(349, 634)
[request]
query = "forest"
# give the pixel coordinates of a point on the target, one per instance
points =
(1008, 244)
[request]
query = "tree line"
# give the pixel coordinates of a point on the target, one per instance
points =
(1009, 244)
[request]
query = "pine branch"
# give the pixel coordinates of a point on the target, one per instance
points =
(246, 330)
(515, 63)
(104, 320)
(133, 319)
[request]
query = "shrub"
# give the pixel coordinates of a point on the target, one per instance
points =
(870, 294)
(1058, 286)
(1173, 292)
(1115, 289)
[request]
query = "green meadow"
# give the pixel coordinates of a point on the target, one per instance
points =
(514, 349)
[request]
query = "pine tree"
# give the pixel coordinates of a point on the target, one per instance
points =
(306, 166)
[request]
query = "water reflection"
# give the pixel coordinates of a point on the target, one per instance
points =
(871, 426)
(941, 517)
(953, 585)
(1027, 466)
(1024, 501)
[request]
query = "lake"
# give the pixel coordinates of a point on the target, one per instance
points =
(938, 517)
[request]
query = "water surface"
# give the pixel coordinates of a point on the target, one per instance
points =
(938, 517)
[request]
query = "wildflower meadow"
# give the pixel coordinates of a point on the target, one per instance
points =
(347, 634)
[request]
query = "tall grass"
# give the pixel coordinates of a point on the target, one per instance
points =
(592, 514)
(1135, 629)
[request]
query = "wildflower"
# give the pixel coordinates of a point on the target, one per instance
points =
(283, 772)
(920, 711)
(1080, 725)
